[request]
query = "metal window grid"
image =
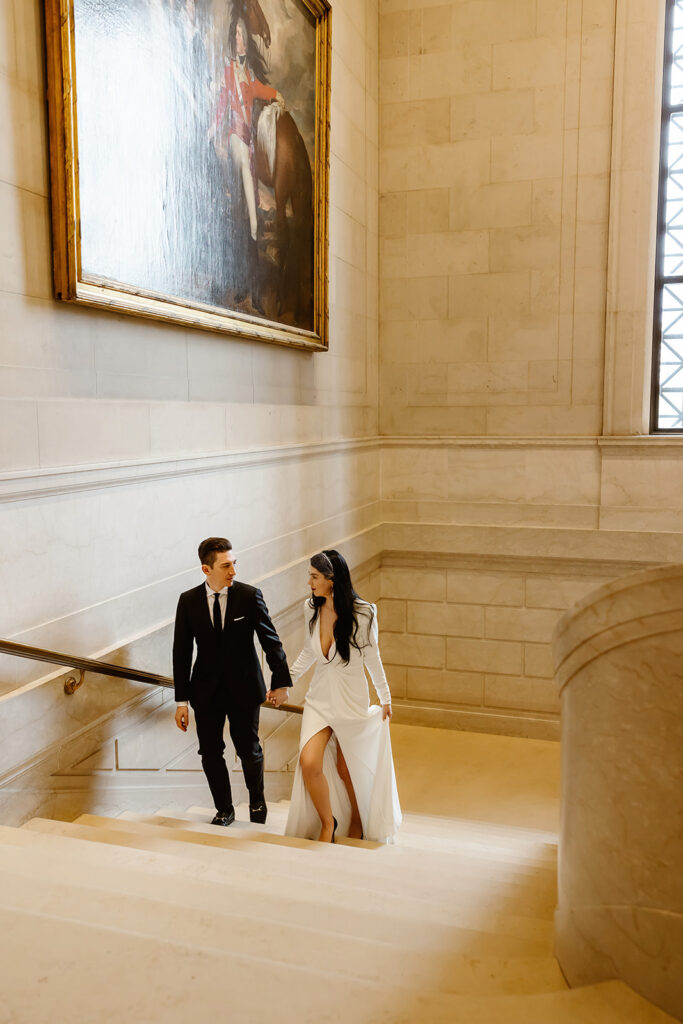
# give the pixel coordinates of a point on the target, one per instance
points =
(667, 367)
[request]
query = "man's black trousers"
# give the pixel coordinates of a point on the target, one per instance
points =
(243, 723)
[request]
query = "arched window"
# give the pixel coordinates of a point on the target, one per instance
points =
(667, 376)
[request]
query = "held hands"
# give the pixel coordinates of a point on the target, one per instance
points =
(277, 697)
(386, 711)
(182, 717)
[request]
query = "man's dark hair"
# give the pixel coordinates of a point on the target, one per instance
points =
(212, 546)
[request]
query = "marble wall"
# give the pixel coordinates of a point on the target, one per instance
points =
(466, 641)
(619, 667)
(518, 193)
(496, 125)
(119, 436)
(598, 483)
(467, 613)
(123, 441)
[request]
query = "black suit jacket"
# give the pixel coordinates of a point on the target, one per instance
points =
(228, 662)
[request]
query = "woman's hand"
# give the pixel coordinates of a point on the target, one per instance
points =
(386, 711)
(278, 696)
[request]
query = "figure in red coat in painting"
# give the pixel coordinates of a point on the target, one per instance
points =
(241, 88)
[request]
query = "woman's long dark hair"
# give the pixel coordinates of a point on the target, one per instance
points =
(333, 567)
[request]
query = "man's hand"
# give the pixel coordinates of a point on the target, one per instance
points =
(386, 711)
(278, 697)
(182, 717)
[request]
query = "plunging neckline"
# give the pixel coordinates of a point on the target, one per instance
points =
(326, 657)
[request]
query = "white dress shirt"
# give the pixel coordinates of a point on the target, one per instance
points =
(223, 605)
(222, 601)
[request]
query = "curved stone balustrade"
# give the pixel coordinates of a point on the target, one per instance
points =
(619, 665)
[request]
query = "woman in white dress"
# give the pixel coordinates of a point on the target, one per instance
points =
(345, 782)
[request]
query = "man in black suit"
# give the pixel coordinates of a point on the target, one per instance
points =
(221, 616)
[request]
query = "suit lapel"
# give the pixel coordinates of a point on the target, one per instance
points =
(204, 621)
(234, 605)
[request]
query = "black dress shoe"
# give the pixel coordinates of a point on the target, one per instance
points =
(258, 813)
(224, 818)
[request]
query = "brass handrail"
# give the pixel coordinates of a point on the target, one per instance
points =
(103, 668)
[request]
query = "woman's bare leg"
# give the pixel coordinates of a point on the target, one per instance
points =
(311, 762)
(356, 826)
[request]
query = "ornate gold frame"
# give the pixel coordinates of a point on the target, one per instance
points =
(70, 284)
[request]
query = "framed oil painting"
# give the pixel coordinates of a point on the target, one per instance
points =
(189, 151)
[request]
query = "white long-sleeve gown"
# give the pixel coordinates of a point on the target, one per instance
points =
(338, 697)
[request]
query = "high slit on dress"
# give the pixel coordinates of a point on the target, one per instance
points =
(338, 697)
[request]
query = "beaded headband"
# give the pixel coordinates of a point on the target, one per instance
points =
(324, 563)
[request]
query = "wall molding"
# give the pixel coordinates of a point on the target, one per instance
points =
(55, 752)
(640, 441)
(593, 547)
(42, 483)
(641, 444)
(513, 563)
(24, 485)
(523, 724)
(456, 441)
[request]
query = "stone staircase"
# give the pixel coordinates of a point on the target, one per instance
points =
(163, 917)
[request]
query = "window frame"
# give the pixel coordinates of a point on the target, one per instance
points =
(661, 279)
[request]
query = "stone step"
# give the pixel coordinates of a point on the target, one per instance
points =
(531, 851)
(83, 973)
(217, 928)
(312, 904)
(538, 852)
(389, 868)
(536, 847)
(444, 857)
(434, 825)
(453, 825)
(537, 940)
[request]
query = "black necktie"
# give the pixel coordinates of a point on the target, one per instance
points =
(217, 624)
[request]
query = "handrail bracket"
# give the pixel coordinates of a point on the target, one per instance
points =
(71, 684)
